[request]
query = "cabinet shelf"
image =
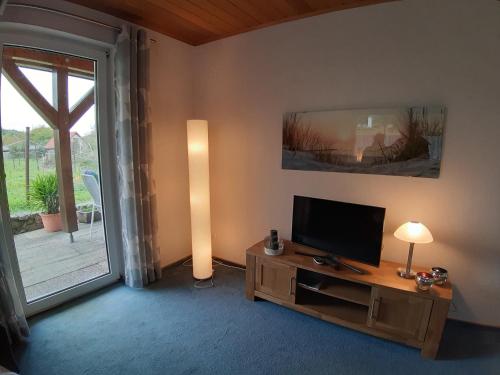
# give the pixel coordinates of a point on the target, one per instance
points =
(333, 287)
(332, 307)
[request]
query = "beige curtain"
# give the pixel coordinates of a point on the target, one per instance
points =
(11, 312)
(12, 317)
(141, 252)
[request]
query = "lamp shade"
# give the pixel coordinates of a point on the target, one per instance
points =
(413, 232)
(199, 191)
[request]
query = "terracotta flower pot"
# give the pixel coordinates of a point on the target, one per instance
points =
(52, 222)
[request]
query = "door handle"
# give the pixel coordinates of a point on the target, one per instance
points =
(375, 308)
(292, 279)
(261, 274)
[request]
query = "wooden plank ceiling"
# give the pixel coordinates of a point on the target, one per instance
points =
(201, 21)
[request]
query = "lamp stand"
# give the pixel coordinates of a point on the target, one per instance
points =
(408, 272)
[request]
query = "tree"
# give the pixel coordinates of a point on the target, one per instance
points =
(16, 150)
(41, 135)
(10, 136)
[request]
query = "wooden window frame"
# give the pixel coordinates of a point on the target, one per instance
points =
(61, 117)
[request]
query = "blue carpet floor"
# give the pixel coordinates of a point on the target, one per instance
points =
(173, 328)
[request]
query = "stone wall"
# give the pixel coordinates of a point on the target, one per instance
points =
(25, 223)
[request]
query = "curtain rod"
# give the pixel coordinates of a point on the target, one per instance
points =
(67, 14)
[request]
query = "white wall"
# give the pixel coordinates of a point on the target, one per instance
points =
(171, 106)
(401, 53)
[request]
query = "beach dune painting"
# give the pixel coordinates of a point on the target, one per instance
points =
(403, 141)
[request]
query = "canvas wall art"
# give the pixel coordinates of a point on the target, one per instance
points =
(393, 141)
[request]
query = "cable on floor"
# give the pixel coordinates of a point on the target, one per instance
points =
(219, 263)
(189, 263)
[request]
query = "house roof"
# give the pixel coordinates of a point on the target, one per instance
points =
(50, 144)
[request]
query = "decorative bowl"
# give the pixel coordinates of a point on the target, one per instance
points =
(269, 251)
(424, 280)
(440, 275)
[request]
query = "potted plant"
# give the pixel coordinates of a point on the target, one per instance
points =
(84, 214)
(44, 195)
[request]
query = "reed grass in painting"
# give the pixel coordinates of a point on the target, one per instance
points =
(395, 141)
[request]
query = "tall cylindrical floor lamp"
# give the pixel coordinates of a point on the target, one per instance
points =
(199, 190)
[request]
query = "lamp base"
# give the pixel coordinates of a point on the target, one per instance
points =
(204, 283)
(406, 275)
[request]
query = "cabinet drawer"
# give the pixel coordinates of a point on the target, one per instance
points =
(401, 314)
(275, 279)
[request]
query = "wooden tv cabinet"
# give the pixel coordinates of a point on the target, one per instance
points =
(378, 302)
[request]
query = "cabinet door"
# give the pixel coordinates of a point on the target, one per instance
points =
(401, 314)
(275, 279)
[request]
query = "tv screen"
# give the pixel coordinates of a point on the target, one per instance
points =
(348, 230)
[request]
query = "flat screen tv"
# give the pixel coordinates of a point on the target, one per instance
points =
(353, 231)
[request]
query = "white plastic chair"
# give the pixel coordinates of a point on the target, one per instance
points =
(94, 189)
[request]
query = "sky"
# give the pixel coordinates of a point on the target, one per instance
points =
(350, 130)
(17, 113)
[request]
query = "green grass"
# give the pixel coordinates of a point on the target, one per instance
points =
(16, 187)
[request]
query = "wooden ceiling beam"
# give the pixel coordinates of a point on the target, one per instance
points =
(252, 9)
(272, 13)
(237, 13)
(289, 8)
(201, 21)
(320, 4)
(301, 7)
(216, 11)
(191, 13)
(165, 21)
(183, 31)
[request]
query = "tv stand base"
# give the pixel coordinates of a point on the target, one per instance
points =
(335, 262)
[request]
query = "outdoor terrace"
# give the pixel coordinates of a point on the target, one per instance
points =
(49, 262)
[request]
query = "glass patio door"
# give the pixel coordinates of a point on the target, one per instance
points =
(58, 190)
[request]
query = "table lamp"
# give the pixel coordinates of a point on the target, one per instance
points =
(412, 232)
